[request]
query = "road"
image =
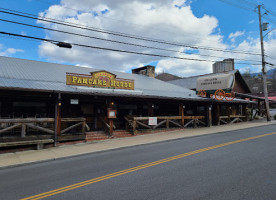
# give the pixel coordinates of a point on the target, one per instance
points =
(230, 165)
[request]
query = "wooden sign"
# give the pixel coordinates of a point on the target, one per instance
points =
(111, 113)
(209, 84)
(102, 79)
(152, 121)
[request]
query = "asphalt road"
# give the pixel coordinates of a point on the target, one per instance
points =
(245, 169)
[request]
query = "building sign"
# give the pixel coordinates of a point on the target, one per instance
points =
(152, 121)
(212, 83)
(111, 113)
(74, 101)
(102, 79)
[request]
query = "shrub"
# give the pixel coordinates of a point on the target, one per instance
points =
(275, 117)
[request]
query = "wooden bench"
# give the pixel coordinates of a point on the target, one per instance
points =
(39, 143)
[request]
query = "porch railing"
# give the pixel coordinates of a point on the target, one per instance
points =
(136, 122)
(41, 124)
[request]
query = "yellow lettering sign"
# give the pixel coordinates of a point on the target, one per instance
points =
(101, 79)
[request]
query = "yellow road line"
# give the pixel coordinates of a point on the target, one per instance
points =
(133, 169)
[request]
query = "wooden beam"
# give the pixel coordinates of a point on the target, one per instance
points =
(71, 127)
(20, 143)
(144, 125)
(175, 123)
(39, 128)
(77, 119)
(9, 128)
(27, 120)
(159, 124)
(190, 122)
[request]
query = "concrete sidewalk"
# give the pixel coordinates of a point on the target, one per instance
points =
(25, 157)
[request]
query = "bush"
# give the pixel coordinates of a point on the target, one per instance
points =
(275, 117)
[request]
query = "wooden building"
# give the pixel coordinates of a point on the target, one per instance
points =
(228, 111)
(44, 103)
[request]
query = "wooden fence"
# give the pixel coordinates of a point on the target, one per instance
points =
(41, 124)
(136, 122)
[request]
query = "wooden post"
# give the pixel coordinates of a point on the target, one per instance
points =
(244, 111)
(217, 114)
(57, 118)
(23, 130)
(134, 126)
(110, 127)
(209, 115)
(110, 120)
(150, 109)
(181, 113)
(167, 123)
(259, 107)
(83, 127)
(228, 112)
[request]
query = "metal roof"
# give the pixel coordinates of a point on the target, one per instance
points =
(190, 82)
(24, 74)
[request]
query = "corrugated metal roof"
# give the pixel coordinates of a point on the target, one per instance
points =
(34, 75)
(190, 82)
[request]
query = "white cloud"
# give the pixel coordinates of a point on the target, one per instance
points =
(149, 18)
(8, 51)
(145, 18)
(233, 36)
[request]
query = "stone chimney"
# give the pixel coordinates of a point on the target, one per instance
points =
(146, 70)
(224, 66)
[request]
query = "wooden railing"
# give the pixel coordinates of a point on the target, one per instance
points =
(134, 122)
(38, 123)
(106, 126)
(232, 119)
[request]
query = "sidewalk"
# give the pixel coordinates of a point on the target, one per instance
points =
(25, 157)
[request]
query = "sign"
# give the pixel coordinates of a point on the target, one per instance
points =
(210, 84)
(152, 121)
(74, 101)
(101, 79)
(111, 113)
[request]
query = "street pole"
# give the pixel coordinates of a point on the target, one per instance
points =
(263, 66)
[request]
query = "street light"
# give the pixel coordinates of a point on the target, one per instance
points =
(64, 45)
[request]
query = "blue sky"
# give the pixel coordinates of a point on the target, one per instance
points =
(209, 23)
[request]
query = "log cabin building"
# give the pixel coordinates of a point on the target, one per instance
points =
(44, 103)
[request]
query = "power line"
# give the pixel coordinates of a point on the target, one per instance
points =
(237, 5)
(114, 41)
(125, 35)
(248, 2)
(116, 50)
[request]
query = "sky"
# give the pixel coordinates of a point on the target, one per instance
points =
(191, 34)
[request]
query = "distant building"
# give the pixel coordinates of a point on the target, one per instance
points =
(224, 66)
(167, 77)
(240, 85)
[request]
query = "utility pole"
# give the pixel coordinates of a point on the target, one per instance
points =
(263, 65)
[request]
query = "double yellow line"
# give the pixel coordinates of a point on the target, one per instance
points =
(126, 171)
